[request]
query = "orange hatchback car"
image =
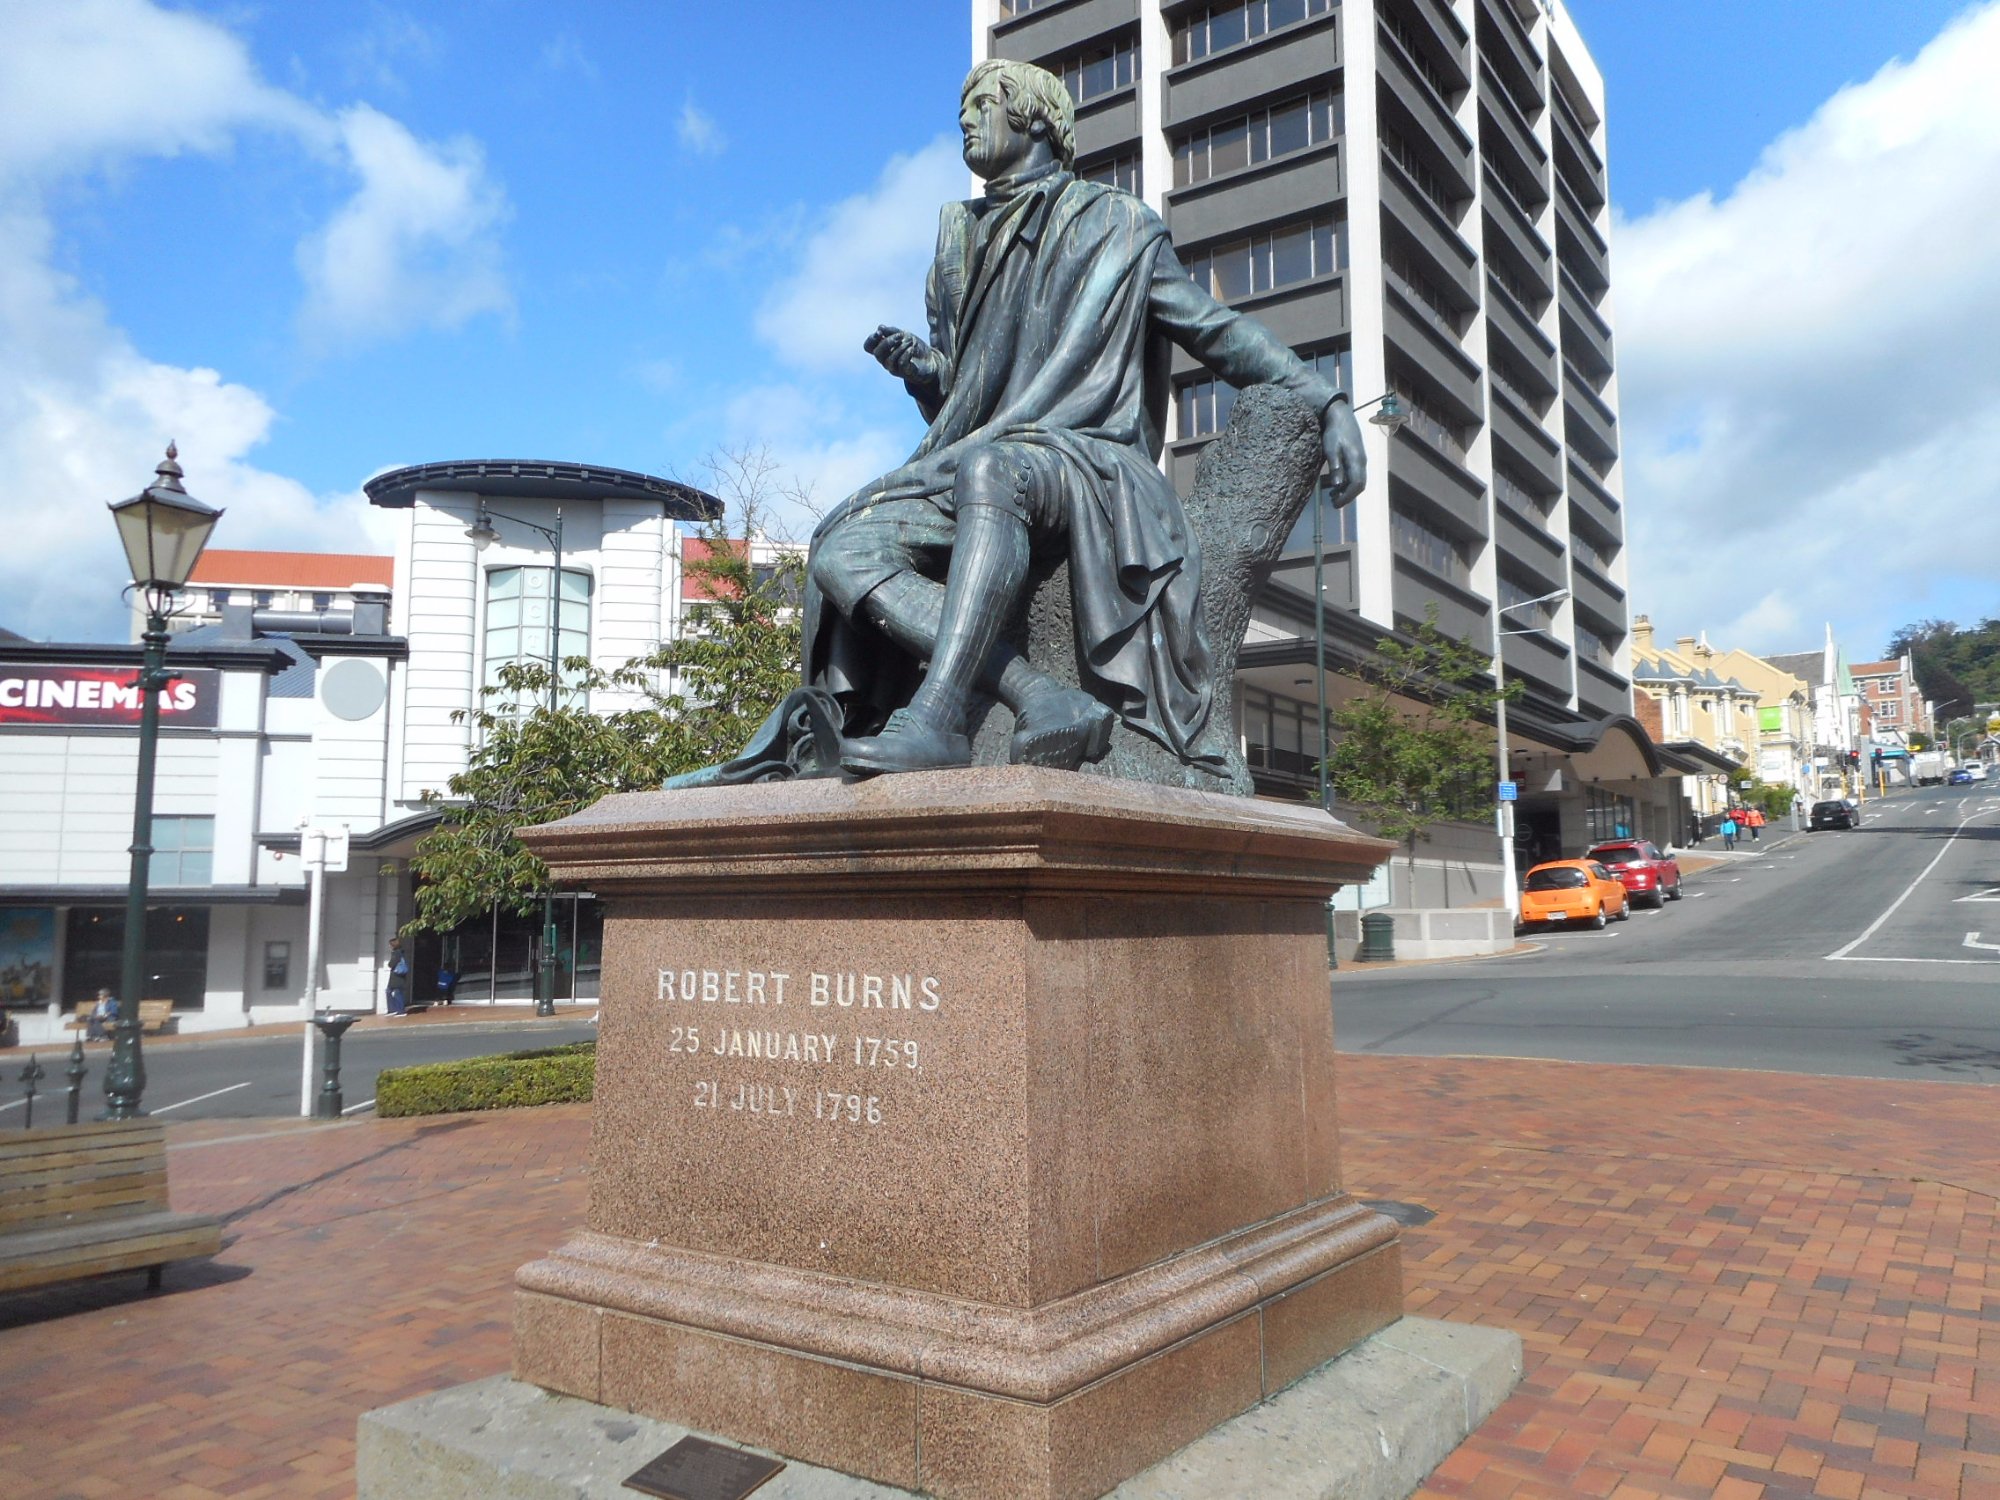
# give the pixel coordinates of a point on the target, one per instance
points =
(1573, 893)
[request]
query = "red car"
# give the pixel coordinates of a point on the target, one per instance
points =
(1650, 878)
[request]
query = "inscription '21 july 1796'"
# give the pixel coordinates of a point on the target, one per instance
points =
(776, 1100)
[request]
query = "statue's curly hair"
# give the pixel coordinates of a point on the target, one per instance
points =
(1032, 94)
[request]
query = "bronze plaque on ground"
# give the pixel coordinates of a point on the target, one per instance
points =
(696, 1469)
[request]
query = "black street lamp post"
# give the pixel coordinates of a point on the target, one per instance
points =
(163, 529)
(483, 535)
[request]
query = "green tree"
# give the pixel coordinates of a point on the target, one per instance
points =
(1955, 668)
(1773, 799)
(701, 696)
(1415, 748)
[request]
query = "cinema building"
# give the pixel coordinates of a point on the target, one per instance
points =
(339, 715)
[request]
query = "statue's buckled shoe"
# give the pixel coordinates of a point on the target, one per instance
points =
(1062, 730)
(906, 743)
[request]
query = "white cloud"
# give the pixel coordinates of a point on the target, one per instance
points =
(414, 246)
(88, 80)
(832, 419)
(864, 265)
(824, 446)
(698, 131)
(92, 86)
(563, 53)
(1811, 401)
(378, 53)
(84, 417)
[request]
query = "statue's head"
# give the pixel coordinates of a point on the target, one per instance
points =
(1037, 106)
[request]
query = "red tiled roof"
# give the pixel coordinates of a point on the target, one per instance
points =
(292, 570)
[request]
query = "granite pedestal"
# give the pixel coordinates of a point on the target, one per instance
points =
(972, 1132)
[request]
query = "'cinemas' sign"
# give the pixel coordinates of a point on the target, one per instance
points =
(96, 695)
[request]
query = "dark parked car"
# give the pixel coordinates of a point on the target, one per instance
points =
(1649, 877)
(1834, 815)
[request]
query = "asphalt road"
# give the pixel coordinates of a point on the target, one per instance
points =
(1867, 953)
(258, 1077)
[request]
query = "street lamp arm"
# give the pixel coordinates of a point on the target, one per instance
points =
(482, 531)
(1548, 598)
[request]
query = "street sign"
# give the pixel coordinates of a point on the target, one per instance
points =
(324, 847)
(1510, 791)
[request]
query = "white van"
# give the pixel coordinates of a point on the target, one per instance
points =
(1976, 769)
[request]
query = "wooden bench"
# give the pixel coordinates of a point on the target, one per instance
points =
(87, 1199)
(154, 1015)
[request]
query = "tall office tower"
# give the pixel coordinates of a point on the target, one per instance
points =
(1412, 194)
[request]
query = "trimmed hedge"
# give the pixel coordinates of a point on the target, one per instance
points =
(552, 1075)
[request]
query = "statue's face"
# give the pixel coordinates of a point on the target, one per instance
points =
(993, 147)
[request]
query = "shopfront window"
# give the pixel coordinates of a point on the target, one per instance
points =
(1278, 735)
(176, 954)
(27, 955)
(1609, 815)
(495, 955)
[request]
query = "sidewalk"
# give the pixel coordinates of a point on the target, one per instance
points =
(1730, 1284)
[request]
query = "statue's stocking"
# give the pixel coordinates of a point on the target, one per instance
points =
(909, 609)
(988, 566)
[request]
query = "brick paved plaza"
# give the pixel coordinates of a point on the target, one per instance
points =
(1730, 1284)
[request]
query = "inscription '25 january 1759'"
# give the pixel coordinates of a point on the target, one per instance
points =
(817, 1041)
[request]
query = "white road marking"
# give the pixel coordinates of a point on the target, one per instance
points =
(1908, 891)
(1991, 893)
(364, 1104)
(1972, 941)
(17, 1103)
(212, 1094)
(1862, 958)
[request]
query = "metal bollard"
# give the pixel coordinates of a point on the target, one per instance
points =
(1378, 937)
(327, 1105)
(75, 1071)
(30, 1076)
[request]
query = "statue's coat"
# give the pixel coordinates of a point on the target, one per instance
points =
(1053, 311)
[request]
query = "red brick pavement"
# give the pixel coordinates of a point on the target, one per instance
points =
(1729, 1284)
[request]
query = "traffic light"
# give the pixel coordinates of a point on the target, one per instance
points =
(1854, 758)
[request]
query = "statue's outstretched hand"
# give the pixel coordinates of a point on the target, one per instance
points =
(1340, 437)
(905, 355)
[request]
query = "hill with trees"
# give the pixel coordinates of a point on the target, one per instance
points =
(1955, 668)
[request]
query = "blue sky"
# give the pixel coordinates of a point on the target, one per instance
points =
(312, 241)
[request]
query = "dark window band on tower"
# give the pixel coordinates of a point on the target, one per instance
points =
(1276, 258)
(1217, 28)
(1245, 140)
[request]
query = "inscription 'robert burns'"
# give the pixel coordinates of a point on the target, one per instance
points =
(769, 987)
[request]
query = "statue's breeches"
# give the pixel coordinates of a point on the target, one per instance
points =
(877, 539)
